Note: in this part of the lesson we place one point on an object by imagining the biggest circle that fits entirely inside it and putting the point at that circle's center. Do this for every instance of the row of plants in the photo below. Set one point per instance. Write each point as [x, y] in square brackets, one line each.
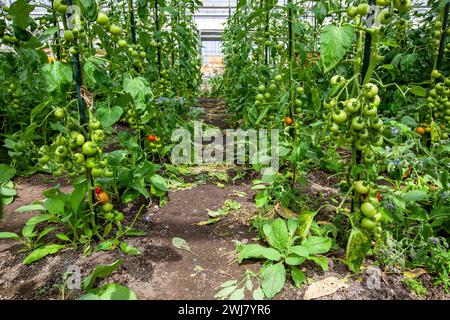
[359, 92]
[93, 92]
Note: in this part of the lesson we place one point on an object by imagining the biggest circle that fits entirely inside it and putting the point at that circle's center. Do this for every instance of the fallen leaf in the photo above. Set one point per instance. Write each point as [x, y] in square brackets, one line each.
[413, 274]
[324, 288]
[284, 212]
[182, 244]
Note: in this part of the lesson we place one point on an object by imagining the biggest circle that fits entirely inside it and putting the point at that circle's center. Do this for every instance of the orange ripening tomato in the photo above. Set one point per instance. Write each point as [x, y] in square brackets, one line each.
[103, 197]
[288, 121]
[151, 137]
[420, 130]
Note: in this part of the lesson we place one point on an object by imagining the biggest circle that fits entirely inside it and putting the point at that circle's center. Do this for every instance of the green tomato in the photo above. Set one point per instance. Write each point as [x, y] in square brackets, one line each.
[261, 88]
[267, 95]
[352, 11]
[368, 224]
[259, 97]
[95, 124]
[61, 151]
[91, 162]
[115, 30]
[363, 9]
[69, 36]
[89, 148]
[80, 140]
[361, 187]
[368, 210]
[97, 172]
[358, 123]
[109, 216]
[435, 74]
[119, 217]
[370, 111]
[122, 43]
[78, 158]
[43, 160]
[60, 114]
[107, 207]
[102, 19]
[278, 77]
[339, 117]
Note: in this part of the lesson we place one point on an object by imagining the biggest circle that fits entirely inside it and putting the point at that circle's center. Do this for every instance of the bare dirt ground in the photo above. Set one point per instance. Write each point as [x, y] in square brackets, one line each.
[165, 272]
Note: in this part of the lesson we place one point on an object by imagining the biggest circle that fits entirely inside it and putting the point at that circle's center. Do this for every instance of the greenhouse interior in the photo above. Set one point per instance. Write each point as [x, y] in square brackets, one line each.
[224, 150]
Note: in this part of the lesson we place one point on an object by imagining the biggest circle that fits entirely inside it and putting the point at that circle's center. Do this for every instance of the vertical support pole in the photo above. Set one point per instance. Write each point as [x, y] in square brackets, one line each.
[132, 21]
[78, 83]
[157, 31]
[443, 37]
[291, 58]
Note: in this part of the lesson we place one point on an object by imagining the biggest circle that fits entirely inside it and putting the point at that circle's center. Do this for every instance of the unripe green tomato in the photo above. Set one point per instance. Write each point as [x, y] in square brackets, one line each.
[69, 36]
[368, 210]
[60, 114]
[368, 224]
[107, 207]
[352, 11]
[91, 162]
[80, 140]
[278, 77]
[97, 172]
[94, 124]
[119, 217]
[115, 30]
[363, 9]
[261, 88]
[102, 19]
[267, 95]
[43, 160]
[78, 158]
[89, 148]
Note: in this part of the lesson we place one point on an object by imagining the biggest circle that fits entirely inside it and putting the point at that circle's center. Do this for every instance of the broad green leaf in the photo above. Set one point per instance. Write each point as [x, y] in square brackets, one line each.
[139, 90]
[159, 182]
[301, 251]
[32, 207]
[258, 294]
[109, 116]
[41, 252]
[415, 195]
[305, 220]
[57, 75]
[294, 260]
[298, 277]
[273, 279]
[225, 292]
[316, 245]
[38, 219]
[335, 41]
[20, 13]
[321, 261]
[114, 291]
[357, 247]
[63, 237]
[77, 196]
[100, 272]
[54, 206]
[238, 294]
[256, 251]
[9, 235]
[418, 91]
[127, 248]
[277, 234]
[7, 192]
[6, 172]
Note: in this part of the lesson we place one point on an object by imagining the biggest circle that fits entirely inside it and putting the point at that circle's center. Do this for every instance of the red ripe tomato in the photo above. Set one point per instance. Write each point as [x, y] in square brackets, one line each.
[379, 196]
[151, 137]
[98, 190]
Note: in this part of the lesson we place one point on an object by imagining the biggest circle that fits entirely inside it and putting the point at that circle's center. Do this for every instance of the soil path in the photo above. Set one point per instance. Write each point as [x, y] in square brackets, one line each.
[163, 271]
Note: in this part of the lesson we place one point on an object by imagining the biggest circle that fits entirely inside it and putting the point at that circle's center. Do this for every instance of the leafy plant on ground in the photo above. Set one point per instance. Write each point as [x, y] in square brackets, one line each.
[289, 247]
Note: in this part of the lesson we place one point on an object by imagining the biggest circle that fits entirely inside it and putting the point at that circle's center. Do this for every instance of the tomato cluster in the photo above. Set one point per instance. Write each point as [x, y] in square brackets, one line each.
[371, 216]
[107, 208]
[76, 152]
[155, 143]
[438, 98]
[356, 120]
[12, 94]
